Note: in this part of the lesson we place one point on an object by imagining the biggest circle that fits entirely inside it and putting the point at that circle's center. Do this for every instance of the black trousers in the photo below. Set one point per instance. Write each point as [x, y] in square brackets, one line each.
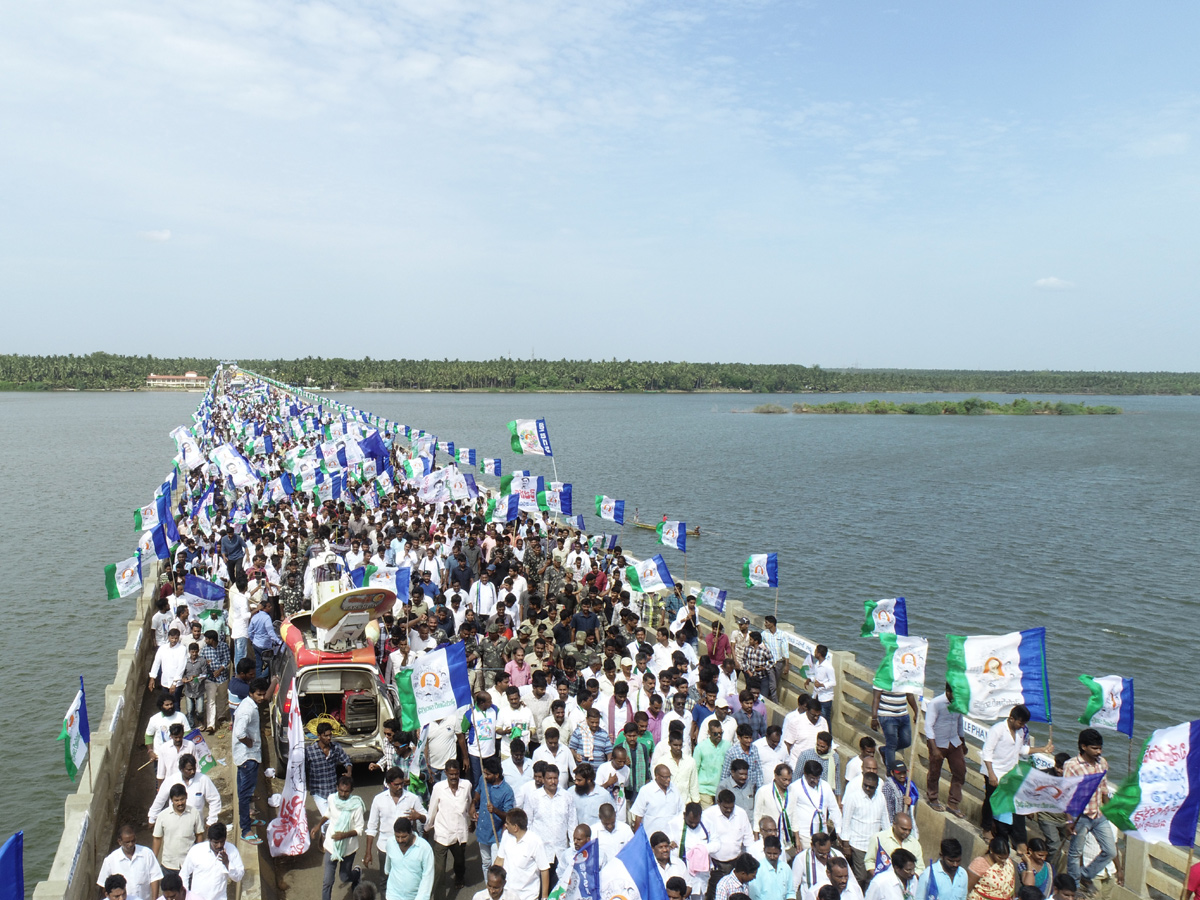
[440, 852]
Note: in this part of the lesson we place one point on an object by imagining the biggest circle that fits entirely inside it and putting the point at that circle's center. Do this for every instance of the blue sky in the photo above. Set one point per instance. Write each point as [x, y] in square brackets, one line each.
[930, 185]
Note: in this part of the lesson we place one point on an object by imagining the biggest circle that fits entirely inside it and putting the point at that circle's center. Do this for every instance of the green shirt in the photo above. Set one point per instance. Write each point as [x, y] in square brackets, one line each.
[709, 758]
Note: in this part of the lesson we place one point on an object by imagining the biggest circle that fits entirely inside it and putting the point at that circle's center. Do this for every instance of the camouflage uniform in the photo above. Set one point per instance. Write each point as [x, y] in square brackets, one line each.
[472, 649]
[491, 657]
[533, 565]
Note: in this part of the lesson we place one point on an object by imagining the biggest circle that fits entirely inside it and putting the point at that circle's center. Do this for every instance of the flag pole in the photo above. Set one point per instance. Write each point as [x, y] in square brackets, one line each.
[912, 755]
[777, 601]
[89, 765]
[1188, 868]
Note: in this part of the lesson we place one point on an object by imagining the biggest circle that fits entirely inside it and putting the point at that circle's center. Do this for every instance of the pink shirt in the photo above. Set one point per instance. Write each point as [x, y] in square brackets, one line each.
[521, 675]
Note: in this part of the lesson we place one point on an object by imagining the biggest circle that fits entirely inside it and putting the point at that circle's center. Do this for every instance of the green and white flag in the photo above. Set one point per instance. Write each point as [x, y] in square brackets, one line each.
[75, 733]
[1026, 790]
[124, 579]
[146, 518]
[902, 670]
[436, 686]
[884, 617]
[649, 575]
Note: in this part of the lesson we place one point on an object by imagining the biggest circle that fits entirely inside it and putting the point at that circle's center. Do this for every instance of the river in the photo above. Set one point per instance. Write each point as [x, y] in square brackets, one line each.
[985, 524]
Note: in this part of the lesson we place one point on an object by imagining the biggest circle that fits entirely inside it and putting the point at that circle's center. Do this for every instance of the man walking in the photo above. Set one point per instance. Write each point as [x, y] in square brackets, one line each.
[1090, 761]
[944, 735]
[346, 822]
[450, 820]
[247, 755]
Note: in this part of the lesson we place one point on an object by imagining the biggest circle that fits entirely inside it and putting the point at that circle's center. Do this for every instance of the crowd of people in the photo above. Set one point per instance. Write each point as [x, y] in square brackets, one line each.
[598, 712]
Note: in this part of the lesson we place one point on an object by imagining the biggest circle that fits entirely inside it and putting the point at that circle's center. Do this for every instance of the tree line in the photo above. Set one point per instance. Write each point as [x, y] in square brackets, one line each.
[106, 371]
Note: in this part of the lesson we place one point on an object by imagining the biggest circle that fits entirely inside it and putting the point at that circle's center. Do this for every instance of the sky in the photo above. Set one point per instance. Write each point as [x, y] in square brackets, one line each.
[928, 185]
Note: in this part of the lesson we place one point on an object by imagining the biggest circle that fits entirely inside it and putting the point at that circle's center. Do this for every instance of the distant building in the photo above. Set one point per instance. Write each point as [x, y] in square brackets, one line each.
[186, 380]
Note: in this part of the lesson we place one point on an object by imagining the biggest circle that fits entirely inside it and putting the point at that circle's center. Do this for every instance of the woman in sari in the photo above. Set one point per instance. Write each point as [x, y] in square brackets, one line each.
[993, 875]
[1033, 869]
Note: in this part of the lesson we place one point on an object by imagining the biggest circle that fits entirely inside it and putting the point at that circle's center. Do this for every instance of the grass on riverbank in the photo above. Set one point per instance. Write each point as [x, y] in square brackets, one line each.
[972, 406]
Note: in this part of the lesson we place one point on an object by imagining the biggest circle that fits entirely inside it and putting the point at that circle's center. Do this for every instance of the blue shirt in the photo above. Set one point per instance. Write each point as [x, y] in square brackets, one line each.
[261, 631]
[772, 882]
[942, 888]
[410, 875]
[502, 798]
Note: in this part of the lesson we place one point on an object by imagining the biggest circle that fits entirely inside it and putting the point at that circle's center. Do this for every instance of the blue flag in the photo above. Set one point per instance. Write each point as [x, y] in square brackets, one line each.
[161, 548]
[587, 870]
[639, 861]
[575, 522]
[403, 584]
[200, 594]
[883, 862]
[12, 868]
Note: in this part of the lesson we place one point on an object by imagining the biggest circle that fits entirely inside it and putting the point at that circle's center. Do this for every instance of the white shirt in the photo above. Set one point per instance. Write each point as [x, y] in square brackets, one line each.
[1002, 750]
[606, 771]
[169, 663]
[159, 727]
[168, 758]
[509, 717]
[450, 812]
[810, 809]
[611, 842]
[799, 734]
[863, 817]
[523, 794]
[658, 809]
[239, 614]
[886, 886]
[482, 599]
[942, 726]
[207, 877]
[552, 818]
[442, 741]
[663, 746]
[731, 835]
[200, 790]
[485, 733]
[385, 811]
[562, 759]
[768, 757]
[139, 871]
[524, 859]
[807, 871]
[517, 779]
[851, 892]
[336, 808]
[823, 672]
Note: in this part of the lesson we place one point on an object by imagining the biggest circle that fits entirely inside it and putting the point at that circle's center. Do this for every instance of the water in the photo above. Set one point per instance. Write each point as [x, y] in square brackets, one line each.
[985, 524]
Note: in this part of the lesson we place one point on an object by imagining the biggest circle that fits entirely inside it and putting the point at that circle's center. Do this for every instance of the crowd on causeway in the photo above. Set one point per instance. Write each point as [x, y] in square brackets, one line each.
[599, 716]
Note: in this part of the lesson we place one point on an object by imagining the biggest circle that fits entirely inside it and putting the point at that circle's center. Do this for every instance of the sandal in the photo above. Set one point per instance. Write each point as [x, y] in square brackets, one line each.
[251, 838]
[958, 812]
[936, 807]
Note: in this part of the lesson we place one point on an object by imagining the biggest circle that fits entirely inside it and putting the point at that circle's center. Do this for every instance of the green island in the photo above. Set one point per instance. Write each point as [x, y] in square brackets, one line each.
[972, 406]
[107, 371]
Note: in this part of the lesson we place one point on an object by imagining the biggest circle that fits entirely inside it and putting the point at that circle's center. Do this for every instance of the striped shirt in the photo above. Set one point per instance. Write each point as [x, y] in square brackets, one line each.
[777, 644]
[893, 705]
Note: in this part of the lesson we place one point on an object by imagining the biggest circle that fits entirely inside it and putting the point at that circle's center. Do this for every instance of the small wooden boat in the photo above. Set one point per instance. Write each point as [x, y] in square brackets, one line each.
[692, 532]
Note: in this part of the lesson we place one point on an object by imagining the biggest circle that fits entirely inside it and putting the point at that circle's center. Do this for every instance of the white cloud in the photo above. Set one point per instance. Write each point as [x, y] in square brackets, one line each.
[158, 236]
[1160, 145]
[1053, 283]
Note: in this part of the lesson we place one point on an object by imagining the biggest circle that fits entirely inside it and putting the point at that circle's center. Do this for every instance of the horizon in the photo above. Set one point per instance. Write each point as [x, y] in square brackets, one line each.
[929, 187]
